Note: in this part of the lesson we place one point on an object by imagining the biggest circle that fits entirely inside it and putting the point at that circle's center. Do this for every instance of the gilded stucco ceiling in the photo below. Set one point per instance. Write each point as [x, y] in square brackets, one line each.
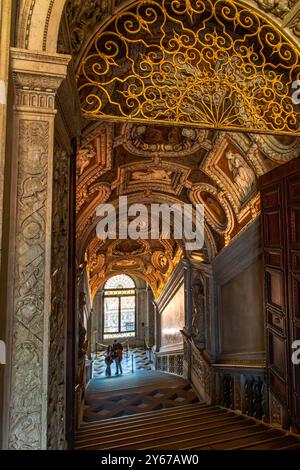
[154, 163]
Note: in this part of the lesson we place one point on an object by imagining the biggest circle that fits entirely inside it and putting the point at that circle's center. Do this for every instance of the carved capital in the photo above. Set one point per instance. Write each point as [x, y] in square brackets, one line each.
[37, 77]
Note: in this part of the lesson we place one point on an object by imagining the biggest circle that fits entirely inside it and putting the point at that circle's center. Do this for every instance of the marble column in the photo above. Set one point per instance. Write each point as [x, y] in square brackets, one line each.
[36, 77]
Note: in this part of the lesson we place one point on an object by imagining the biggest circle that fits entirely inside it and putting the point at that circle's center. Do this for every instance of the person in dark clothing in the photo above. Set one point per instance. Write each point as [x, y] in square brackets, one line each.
[119, 360]
[117, 349]
[108, 360]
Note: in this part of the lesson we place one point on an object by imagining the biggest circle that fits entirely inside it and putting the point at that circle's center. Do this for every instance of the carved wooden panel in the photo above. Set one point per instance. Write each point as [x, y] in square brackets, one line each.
[293, 262]
[280, 196]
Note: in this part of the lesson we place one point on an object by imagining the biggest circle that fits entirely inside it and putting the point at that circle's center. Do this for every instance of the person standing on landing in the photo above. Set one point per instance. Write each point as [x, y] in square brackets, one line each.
[119, 359]
[117, 355]
[108, 360]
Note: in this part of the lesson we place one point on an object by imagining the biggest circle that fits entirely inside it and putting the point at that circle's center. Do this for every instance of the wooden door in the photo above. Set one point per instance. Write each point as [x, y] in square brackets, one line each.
[293, 261]
[280, 200]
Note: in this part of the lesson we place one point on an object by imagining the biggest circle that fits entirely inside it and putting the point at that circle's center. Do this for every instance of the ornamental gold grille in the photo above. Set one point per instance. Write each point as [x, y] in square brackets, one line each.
[205, 63]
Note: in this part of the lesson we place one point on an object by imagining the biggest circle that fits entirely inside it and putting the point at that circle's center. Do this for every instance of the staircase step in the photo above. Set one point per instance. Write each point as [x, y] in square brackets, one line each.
[209, 418]
[275, 443]
[159, 431]
[142, 423]
[261, 433]
[290, 447]
[175, 411]
[204, 438]
[188, 426]
[163, 441]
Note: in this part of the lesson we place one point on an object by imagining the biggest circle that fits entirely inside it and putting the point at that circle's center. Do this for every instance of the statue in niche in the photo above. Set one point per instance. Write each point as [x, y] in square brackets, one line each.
[198, 305]
[244, 176]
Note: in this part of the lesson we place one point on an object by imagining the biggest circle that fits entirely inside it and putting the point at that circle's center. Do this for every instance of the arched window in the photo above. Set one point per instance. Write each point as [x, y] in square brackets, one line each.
[119, 307]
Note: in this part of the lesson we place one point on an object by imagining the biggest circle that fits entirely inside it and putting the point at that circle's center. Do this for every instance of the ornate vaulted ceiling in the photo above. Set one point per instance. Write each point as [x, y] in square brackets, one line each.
[155, 164]
[168, 164]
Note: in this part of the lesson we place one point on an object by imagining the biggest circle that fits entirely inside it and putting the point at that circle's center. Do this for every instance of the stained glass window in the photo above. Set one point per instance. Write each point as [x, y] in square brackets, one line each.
[128, 313]
[122, 281]
[119, 307]
[111, 314]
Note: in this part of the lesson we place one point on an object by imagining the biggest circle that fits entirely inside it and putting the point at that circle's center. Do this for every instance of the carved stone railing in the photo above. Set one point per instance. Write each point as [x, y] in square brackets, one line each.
[171, 362]
[236, 385]
[243, 388]
[202, 374]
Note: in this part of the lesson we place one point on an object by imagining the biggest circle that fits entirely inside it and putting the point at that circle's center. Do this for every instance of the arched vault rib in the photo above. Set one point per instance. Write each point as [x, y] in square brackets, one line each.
[38, 21]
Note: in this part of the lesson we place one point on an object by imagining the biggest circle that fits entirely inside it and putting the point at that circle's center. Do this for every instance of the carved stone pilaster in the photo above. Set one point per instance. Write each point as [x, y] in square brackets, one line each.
[188, 296]
[157, 327]
[36, 79]
[59, 294]
[198, 303]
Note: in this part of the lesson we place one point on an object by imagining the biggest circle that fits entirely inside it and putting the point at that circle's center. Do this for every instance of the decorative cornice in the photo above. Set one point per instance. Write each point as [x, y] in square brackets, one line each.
[37, 77]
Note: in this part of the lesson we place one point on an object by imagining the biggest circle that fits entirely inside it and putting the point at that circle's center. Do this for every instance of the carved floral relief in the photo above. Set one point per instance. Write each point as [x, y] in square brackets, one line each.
[28, 325]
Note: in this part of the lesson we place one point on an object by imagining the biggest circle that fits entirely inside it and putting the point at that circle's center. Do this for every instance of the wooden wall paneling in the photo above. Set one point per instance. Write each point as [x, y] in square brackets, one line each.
[293, 225]
[280, 198]
[275, 294]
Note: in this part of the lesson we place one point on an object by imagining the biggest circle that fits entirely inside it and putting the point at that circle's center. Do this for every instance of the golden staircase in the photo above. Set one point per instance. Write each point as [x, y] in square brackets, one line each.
[189, 427]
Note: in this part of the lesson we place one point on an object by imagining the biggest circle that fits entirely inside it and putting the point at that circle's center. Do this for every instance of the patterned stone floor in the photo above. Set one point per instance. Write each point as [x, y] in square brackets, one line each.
[130, 394]
[136, 360]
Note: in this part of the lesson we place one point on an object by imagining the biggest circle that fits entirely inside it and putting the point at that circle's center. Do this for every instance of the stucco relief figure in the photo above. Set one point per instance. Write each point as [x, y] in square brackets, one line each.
[190, 135]
[154, 140]
[244, 176]
[277, 7]
[27, 434]
[84, 156]
[28, 391]
[152, 175]
[198, 322]
[82, 16]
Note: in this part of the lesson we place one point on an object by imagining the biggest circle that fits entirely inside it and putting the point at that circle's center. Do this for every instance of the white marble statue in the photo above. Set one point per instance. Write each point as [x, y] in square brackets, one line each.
[244, 176]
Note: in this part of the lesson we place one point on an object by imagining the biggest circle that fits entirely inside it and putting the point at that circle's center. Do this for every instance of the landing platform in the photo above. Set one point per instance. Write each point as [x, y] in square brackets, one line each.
[140, 392]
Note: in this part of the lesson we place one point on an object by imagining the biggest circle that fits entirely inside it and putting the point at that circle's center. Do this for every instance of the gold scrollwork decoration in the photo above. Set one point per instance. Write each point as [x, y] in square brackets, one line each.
[205, 63]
